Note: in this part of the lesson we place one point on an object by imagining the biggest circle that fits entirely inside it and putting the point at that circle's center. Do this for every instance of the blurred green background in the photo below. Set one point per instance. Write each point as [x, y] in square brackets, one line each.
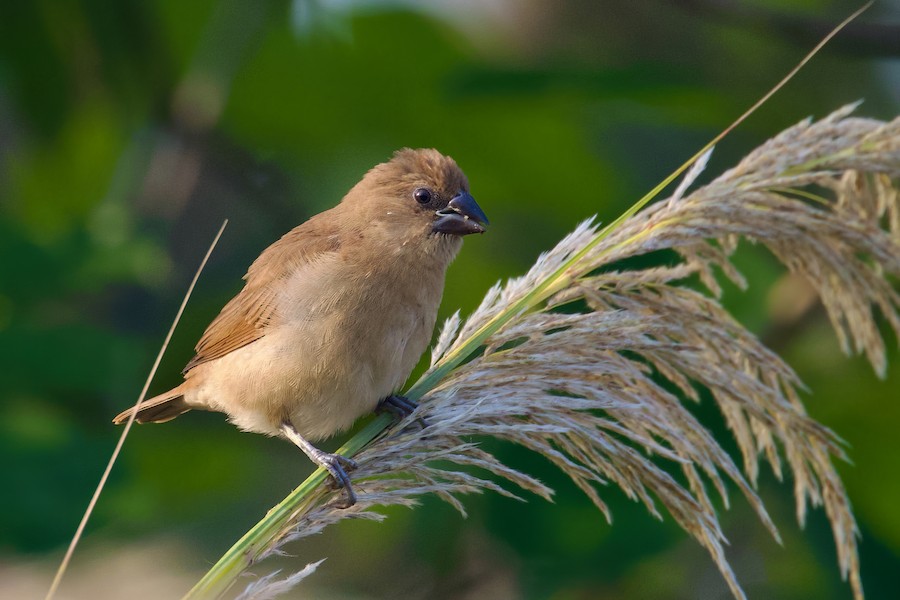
[129, 130]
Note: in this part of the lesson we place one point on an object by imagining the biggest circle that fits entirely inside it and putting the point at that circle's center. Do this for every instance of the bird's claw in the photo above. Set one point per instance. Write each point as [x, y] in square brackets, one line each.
[337, 466]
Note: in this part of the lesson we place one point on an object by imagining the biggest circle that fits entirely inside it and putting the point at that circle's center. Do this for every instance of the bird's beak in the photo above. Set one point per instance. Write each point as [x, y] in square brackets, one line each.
[461, 217]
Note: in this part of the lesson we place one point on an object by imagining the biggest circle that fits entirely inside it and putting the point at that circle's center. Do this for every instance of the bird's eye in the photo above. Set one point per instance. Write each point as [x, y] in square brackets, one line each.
[422, 195]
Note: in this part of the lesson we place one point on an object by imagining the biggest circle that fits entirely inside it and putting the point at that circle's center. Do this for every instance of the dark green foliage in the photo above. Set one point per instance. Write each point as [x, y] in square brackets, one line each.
[128, 130]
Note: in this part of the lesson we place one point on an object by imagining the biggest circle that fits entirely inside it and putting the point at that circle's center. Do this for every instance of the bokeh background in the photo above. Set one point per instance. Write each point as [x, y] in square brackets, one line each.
[130, 129]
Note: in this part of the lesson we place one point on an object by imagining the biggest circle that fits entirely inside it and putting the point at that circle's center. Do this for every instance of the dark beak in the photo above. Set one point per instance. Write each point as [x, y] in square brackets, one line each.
[461, 217]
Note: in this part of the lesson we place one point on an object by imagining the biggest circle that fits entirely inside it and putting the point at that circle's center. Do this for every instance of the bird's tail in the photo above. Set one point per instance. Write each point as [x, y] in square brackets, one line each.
[158, 409]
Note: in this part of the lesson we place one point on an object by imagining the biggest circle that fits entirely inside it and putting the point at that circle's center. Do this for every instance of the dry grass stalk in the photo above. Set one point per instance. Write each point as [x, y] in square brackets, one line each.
[583, 389]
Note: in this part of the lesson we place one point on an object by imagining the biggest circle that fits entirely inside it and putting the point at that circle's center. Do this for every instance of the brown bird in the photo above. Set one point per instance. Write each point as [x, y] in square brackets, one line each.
[333, 316]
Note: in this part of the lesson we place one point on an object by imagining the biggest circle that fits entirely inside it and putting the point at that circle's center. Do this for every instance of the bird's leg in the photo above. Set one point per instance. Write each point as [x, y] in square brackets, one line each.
[335, 464]
[399, 406]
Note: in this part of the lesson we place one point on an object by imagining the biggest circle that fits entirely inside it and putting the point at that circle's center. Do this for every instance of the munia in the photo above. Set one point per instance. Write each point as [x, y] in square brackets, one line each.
[333, 316]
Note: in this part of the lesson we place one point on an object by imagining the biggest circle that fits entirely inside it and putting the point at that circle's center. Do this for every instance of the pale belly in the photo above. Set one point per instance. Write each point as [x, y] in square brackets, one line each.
[320, 374]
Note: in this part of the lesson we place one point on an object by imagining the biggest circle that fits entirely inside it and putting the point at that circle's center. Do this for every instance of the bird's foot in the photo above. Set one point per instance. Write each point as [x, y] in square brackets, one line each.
[336, 464]
[401, 407]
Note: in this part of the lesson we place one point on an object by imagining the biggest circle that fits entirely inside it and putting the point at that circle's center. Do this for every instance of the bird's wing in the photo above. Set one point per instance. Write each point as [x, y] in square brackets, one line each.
[245, 318]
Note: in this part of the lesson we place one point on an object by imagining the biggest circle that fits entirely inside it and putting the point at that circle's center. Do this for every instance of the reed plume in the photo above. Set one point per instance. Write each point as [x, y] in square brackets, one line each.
[577, 359]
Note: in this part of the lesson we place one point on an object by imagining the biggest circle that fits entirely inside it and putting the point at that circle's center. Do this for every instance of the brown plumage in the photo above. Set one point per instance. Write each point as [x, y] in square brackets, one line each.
[333, 316]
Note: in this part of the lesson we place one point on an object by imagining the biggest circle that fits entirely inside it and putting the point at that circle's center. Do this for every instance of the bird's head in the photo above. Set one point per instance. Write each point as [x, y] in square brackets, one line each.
[419, 193]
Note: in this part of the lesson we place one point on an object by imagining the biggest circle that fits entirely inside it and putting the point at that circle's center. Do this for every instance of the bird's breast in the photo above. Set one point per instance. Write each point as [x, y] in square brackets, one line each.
[357, 334]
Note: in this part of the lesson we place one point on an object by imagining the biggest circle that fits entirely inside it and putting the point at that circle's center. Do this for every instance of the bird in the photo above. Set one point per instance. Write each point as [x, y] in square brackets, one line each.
[334, 315]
